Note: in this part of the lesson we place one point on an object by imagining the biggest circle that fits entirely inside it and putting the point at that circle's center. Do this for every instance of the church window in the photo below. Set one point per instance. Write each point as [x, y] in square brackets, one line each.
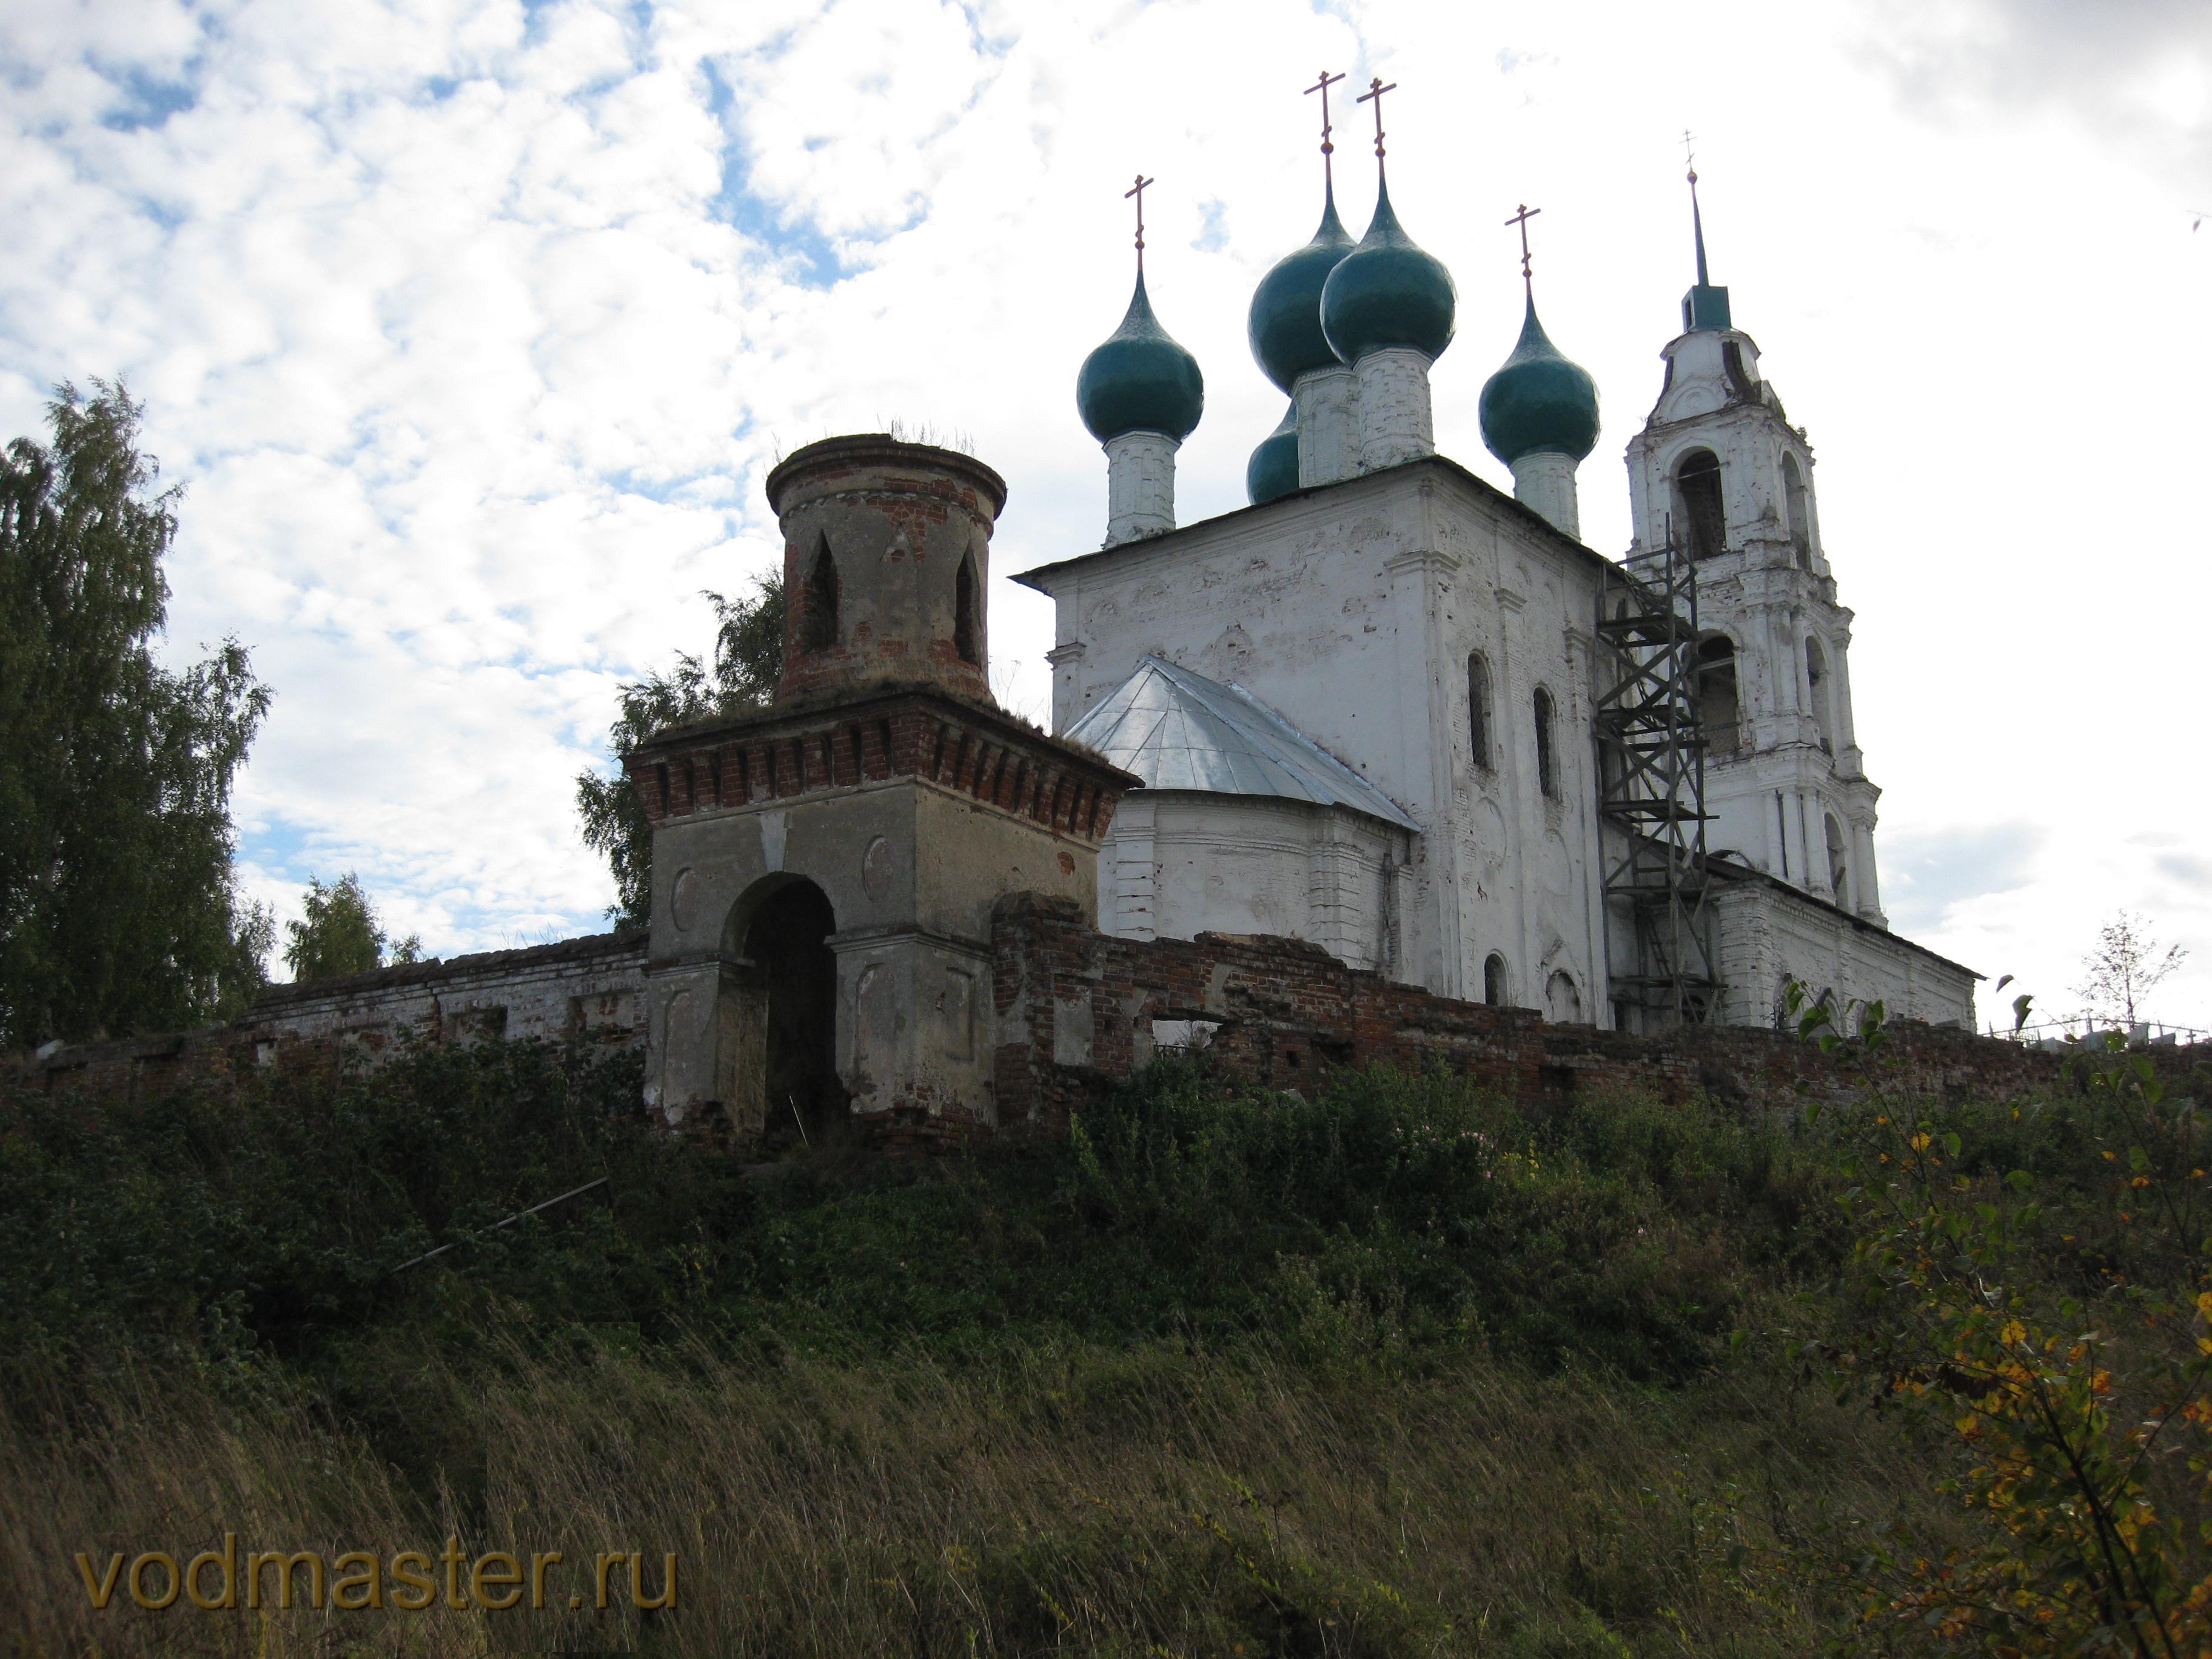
[1494, 991]
[1478, 709]
[1801, 518]
[1838, 869]
[1547, 771]
[1717, 695]
[818, 622]
[1697, 486]
[966, 635]
[1816, 683]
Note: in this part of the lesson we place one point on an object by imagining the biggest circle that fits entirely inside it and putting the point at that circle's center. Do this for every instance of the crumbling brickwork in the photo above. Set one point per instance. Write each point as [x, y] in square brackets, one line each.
[1077, 1011]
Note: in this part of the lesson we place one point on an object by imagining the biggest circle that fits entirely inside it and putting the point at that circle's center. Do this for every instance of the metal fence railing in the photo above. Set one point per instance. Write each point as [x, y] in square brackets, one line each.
[2060, 1035]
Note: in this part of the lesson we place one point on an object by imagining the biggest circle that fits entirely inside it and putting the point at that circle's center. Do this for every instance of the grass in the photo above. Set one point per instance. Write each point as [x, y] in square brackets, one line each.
[1404, 1370]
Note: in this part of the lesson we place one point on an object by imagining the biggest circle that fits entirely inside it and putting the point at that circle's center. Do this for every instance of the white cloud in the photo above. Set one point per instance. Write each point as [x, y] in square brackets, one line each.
[473, 327]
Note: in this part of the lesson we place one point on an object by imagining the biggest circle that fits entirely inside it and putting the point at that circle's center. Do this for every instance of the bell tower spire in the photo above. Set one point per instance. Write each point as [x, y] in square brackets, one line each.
[1704, 306]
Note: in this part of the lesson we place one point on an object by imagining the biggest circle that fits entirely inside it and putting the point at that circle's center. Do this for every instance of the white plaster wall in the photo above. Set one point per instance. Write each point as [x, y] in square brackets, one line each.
[1768, 933]
[1180, 864]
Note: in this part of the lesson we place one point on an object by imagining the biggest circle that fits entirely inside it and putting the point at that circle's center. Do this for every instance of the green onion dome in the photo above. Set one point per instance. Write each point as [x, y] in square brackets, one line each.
[1273, 469]
[1537, 402]
[1388, 292]
[1285, 324]
[1138, 380]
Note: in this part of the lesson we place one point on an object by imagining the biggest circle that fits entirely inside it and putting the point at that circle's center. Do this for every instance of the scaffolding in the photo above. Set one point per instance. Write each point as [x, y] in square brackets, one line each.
[1651, 765]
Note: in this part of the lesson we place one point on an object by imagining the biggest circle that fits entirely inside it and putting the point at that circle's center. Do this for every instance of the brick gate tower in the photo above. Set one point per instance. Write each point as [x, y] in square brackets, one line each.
[824, 870]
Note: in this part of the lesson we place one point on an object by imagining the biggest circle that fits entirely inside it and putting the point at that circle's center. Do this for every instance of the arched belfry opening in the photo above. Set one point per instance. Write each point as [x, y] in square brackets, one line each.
[1697, 490]
[1800, 517]
[785, 1015]
[1839, 869]
[817, 618]
[1718, 710]
[1816, 686]
[967, 624]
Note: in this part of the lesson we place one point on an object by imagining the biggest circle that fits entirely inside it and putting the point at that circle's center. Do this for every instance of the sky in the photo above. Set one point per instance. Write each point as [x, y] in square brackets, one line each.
[471, 329]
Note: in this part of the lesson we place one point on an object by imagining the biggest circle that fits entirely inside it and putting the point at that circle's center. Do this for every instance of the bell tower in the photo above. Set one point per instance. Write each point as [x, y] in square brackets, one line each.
[1718, 469]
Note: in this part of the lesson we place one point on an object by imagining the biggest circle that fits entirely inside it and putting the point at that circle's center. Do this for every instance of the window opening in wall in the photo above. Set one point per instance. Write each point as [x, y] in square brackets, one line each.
[1839, 868]
[818, 615]
[1697, 483]
[1717, 712]
[966, 637]
[1478, 709]
[1816, 681]
[1801, 518]
[1547, 774]
[1493, 980]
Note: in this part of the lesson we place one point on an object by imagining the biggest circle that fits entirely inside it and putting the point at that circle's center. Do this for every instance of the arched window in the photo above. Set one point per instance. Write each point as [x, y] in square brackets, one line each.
[966, 635]
[1478, 710]
[1800, 517]
[817, 618]
[1547, 771]
[1494, 991]
[1698, 489]
[1839, 870]
[1816, 683]
[1717, 695]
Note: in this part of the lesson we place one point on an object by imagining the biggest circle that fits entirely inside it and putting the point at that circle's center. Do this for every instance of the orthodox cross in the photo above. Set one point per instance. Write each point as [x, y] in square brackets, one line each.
[1374, 95]
[1689, 156]
[1328, 149]
[1139, 193]
[1522, 219]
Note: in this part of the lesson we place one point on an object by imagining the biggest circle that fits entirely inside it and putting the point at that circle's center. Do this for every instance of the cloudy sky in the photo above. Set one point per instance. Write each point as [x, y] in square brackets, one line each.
[471, 329]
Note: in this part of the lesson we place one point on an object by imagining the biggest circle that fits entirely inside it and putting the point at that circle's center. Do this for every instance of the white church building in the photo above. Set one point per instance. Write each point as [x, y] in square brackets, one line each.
[1390, 710]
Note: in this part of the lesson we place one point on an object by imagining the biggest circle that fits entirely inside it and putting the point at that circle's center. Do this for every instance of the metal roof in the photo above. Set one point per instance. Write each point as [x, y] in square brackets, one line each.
[1178, 729]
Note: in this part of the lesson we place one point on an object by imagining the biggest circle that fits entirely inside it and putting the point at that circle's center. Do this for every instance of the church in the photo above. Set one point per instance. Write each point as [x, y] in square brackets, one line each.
[1390, 710]
[1387, 768]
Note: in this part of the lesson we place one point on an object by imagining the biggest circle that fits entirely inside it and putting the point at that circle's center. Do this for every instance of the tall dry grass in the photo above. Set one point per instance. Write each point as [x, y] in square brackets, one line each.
[1144, 1501]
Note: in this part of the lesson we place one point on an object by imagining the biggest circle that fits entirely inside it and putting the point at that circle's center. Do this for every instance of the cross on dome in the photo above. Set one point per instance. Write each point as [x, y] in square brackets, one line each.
[1137, 190]
[1522, 219]
[1327, 149]
[1374, 95]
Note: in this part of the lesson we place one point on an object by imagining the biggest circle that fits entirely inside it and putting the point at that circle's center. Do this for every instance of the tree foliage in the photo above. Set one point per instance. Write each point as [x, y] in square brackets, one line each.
[748, 659]
[341, 934]
[2126, 965]
[118, 910]
[2054, 1333]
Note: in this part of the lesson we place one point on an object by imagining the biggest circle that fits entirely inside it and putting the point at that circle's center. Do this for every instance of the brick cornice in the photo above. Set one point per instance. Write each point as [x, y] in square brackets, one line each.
[798, 753]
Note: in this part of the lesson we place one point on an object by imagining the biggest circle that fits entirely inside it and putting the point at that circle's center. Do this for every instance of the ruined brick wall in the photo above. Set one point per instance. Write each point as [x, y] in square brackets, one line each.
[588, 989]
[1077, 1011]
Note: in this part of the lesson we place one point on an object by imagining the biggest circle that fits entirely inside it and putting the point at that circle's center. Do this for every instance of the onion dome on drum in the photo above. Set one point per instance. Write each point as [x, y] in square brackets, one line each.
[1285, 323]
[1539, 403]
[1138, 380]
[1273, 469]
[1387, 292]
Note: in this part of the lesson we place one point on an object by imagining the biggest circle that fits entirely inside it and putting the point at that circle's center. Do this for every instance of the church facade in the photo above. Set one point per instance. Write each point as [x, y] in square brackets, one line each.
[1390, 710]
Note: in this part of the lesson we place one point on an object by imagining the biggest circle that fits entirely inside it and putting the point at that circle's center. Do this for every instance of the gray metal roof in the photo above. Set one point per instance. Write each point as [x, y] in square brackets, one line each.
[1178, 730]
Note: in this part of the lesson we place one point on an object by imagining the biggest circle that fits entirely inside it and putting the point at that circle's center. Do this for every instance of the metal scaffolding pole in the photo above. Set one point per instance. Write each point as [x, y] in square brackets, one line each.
[1651, 766]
